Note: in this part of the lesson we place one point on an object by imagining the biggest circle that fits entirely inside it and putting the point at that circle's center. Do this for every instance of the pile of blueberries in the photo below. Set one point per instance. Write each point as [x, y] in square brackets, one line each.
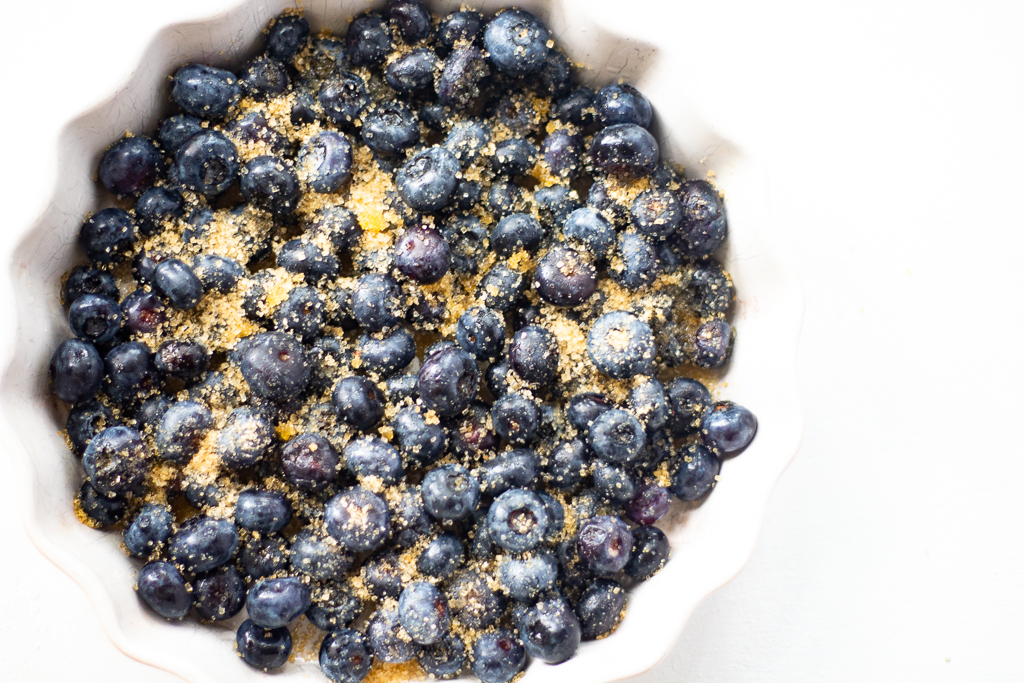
[422, 515]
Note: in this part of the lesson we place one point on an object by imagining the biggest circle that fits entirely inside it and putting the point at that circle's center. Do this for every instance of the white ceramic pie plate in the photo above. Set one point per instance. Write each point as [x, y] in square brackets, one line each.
[710, 543]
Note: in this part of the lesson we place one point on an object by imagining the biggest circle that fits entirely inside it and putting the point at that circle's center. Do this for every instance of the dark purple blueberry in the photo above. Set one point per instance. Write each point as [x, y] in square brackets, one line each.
[304, 109]
[467, 140]
[604, 544]
[427, 180]
[423, 612]
[533, 355]
[616, 436]
[650, 553]
[498, 656]
[496, 377]
[473, 602]
[343, 97]
[107, 236]
[358, 519]
[175, 130]
[555, 77]
[599, 197]
[162, 587]
[85, 421]
[371, 456]
[94, 318]
[275, 366]
[711, 288]
[253, 129]
[89, 280]
[600, 607]
[286, 36]
[625, 149]
[273, 603]
[419, 441]
[621, 103]
[333, 607]
[219, 594]
[261, 648]
[306, 258]
[207, 163]
[186, 360]
[621, 345]
[387, 354]
[130, 371]
[516, 418]
[656, 213]
[99, 510]
[505, 198]
[270, 183]
[263, 555]
[143, 312]
[390, 127]
[589, 227]
[563, 153]
[310, 462]
[514, 232]
[345, 656]
[130, 166]
[448, 381]
[457, 27]
[703, 227]
[459, 83]
[481, 331]
[319, 556]
[513, 157]
[637, 264]
[689, 400]
[696, 471]
[566, 465]
[262, 79]
[368, 40]
[181, 431]
[262, 510]
[585, 408]
[516, 42]
[472, 434]
[450, 492]
[576, 107]
[422, 254]
[441, 557]
[76, 371]
[712, 344]
[550, 630]
[412, 71]
[382, 575]
[728, 428]
[435, 116]
[650, 503]
[411, 19]
[564, 278]
[178, 283]
[150, 528]
[326, 161]
[156, 206]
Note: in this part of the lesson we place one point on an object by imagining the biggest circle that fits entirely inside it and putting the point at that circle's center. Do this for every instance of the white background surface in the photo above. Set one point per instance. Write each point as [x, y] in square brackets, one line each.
[893, 133]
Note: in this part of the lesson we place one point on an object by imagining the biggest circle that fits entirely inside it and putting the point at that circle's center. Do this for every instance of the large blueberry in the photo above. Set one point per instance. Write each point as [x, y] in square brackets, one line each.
[518, 520]
[207, 163]
[150, 528]
[550, 630]
[703, 227]
[262, 510]
[262, 648]
[422, 254]
[245, 438]
[516, 42]
[358, 519]
[604, 544]
[450, 492]
[621, 345]
[219, 594]
[372, 456]
[345, 656]
[107, 236]
[277, 602]
[202, 543]
[564, 278]
[728, 428]
[116, 461]
[390, 127]
[204, 91]
[130, 165]
[325, 161]
[448, 381]
[368, 40]
[625, 149]
[270, 183]
[343, 97]
[621, 103]
[423, 612]
[420, 441]
[319, 556]
[275, 366]
[182, 430]
[310, 462]
[163, 588]
[533, 355]
[427, 181]
[498, 656]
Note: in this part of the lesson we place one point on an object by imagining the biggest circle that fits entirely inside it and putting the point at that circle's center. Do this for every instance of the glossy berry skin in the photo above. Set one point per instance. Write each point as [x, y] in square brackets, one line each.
[728, 428]
[624, 149]
[277, 602]
[589, 227]
[358, 519]
[703, 227]
[712, 344]
[412, 72]
[621, 103]
[459, 26]
[450, 492]
[525, 578]
[219, 594]
[143, 312]
[711, 288]
[575, 107]
[649, 402]
[94, 318]
[178, 283]
[130, 166]
[326, 161]
[162, 587]
[275, 366]
[206, 163]
[387, 355]
[306, 258]
[337, 224]
[422, 254]
[420, 442]
[473, 602]
[390, 127]
[261, 648]
[371, 456]
[359, 402]
[448, 381]
[585, 408]
[689, 401]
[517, 42]
[500, 287]
[411, 19]
[650, 553]
[613, 483]
[616, 436]
[604, 544]
[423, 612]
[345, 656]
[217, 273]
[270, 183]
[204, 91]
[513, 157]
[458, 86]
[382, 576]
[695, 473]
[99, 510]
[472, 435]
[550, 630]
[156, 206]
[467, 140]
[263, 557]
[287, 35]
[368, 40]
[388, 639]
[262, 78]
[509, 469]
[377, 302]
[481, 332]
[498, 656]
[107, 236]
[150, 528]
[175, 130]
[427, 181]
[566, 465]
[310, 462]
[442, 556]
[656, 213]
[89, 280]
[316, 555]
[555, 203]
[445, 658]
[86, 420]
[514, 232]
[116, 461]
[533, 355]
[650, 504]
[245, 439]
[343, 97]
[181, 431]
[621, 345]
[262, 510]
[564, 278]
[202, 544]
[637, 265]
[600, 607]
[515, 418]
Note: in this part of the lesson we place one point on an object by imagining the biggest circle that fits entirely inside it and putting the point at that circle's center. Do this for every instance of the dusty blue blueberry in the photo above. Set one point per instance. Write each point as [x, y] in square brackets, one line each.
[621, 345]
[516, 42]
[261, 648]
[107, 236]
[386, 353]
[262, 510]
[448, 381]
[419, 441]
[345, 656]
[622, 103]
[245, 438]
[445, 658]
[182, 430]
[326, 161]
[150, 528]
[343, 97]
[650, 552]
[566, 465]
[518, 520]
[277, 602]
[728, 428]
[315, 554]
[498, 656]
[600, 607]
[450, 492]
[204, 91]
[390, 127]
[550, 630]
[624, 149]
[116, 462]
[423, 612]
[388, 640]
[441, 557]
[202, 543]
[358, 519]
[703, 227]
[427, 181]
[525, 578]
[163, 588]
[359, 402]
[206, 163]
[372, 456]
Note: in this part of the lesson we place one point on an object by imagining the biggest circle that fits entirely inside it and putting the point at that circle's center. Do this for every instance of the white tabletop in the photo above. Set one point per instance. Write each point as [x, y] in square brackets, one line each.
[895, 141]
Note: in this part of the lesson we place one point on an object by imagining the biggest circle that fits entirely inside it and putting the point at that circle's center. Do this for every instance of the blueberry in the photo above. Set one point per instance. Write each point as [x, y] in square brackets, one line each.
[94, 318]
[107, 236]
[275, 366]
[472, 434]
[621, 345]
[518, 520]
[178, 283]
[334, 606]
[157, 207]
[613, 483]
[515, 418]
[357, 519]
[377, 302]
[151, 412]
[514, 232]
[187, 360]
[89, 280]
[163, 588]
[517, 42]
[389, 641]
[262, 79]
[345, 656]
[604, 544]
[277, 602]
[467, 140]
[390, 127]
[590, 228]
[600, 607]
[566, 466]
[401, 387]
[556, 204]
[459, 27]
[305, 258]
[527, 315]
[656, 213]
[712, 344]
[175, 130]
[445, 658]
[182, 430]
[651, 405]
[711, 288]
[303, 313]
[116, 461]
[130, 165]
[419, 441]
[86, 420]
[637, 265]
[513, 157]
[621, 103]
[564, 278]
[412, 71]
[382, 575]
[563, 154]
[466, 237]
[270, 183]
[497, 655]
[368, 40]
[286, 36]
[207, 163]
[550, 630]
[371, 456]
[466, 196]
[459, 83]
[481, 332]
[650, 553]
[202, 495]
[218, 273]
[689, 400]
[584, 408]
[325, 161]
[505, 198]
[423, 612]
[472, 601]
[204, 91]
[263, 555]
[387, 354]
[650, 504]
[450, 492]
[555, 76]
[343, 97]
[337, 224]
[253, 130]
[143, 312]
[625, 149]
[310, 462]
[525, 578]
[533, 355]
[704, 226]
[616, 436]
[576, 107]
[410, 519]
[411, 18]
[728, 428]
[435, 116]
[599, 197]
[150, 528]
[448, 381]
[319, 556]
[695, 473]
[262, 510]
[422, 254]
[262, 648]
[220, 594]
[441, 557]
[245, 439]
[304, 109]
[202, 544]
[500, 287]
[99, 511]
[427, 180]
